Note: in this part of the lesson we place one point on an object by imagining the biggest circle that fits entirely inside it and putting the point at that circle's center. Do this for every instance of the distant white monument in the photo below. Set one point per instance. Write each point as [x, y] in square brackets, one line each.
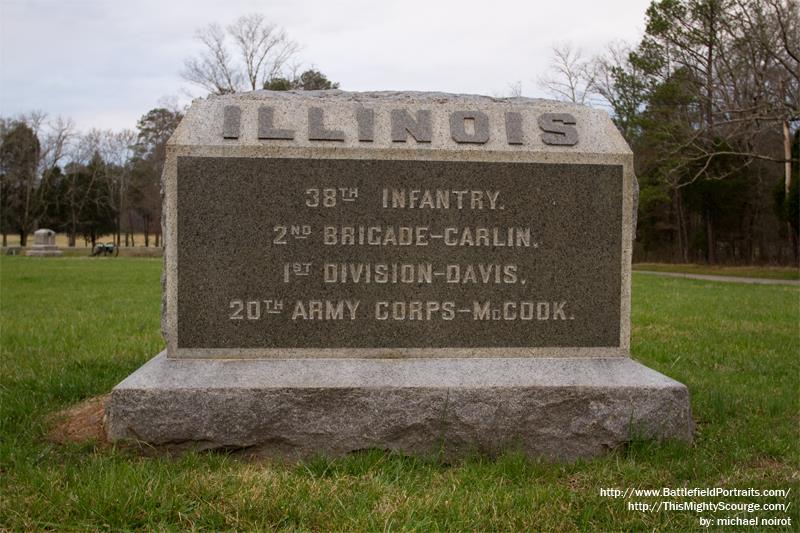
[44, 244]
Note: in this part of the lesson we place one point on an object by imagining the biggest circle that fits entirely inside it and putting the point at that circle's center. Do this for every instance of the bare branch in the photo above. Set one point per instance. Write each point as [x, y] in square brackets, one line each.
[55, 143]
[260, 52]
[570, 77]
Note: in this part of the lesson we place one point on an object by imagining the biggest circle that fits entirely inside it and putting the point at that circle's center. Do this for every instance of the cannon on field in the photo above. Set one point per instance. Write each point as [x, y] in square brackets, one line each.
[105, 249]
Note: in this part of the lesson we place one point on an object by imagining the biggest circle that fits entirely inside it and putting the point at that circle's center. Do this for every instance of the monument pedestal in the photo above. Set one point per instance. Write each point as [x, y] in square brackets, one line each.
[44, 251]
[44, 244]
[424, 272]
[562, 409]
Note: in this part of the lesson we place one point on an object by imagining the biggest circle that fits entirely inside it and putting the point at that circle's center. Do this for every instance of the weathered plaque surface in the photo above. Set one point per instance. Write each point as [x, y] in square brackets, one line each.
[378, 227]
[406, 254]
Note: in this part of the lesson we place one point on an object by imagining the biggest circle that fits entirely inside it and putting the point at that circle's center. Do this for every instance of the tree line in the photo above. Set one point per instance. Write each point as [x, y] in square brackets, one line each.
[88, 185]
[83, 184]
[709, 101]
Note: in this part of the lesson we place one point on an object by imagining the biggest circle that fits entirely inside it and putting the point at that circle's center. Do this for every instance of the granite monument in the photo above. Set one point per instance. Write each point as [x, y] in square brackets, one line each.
[409, 271]
[44, 244]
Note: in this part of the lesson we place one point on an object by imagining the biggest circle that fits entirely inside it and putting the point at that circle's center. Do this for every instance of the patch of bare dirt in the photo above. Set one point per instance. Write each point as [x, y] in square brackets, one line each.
[83, 423]
[80, 423]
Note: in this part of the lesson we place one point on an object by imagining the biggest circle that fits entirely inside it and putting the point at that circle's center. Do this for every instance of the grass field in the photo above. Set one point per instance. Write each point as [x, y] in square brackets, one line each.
[736, 271]
[71, 328]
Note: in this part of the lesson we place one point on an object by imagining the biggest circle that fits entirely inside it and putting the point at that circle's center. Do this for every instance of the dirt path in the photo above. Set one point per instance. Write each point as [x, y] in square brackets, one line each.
[734, 279]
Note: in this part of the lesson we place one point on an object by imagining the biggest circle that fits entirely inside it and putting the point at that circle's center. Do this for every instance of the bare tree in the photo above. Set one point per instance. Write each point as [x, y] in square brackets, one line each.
[570, 77]
[769, 30]
[55, 140]
[740, 60]
[515, 89]
[117, 151]
[80, 179]
[54, 137]
[259, 52]
[621, 87]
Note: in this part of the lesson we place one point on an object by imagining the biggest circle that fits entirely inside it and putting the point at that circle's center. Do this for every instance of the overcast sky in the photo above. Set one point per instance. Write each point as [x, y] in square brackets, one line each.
[105, 63]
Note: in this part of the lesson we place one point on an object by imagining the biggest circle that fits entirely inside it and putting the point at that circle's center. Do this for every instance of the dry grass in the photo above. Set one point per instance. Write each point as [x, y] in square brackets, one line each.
[79, 424]
[62, 240]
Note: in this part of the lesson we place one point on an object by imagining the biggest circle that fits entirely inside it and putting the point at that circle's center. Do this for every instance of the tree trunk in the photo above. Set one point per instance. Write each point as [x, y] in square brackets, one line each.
[709, 67]
[5, 239]
[119, 213]
[677, 241]
[787, 155]
[73, 230]
[147, 232]
[752, 244]
[23, 238]
[787, 169]
[683, 235]
[711, 254]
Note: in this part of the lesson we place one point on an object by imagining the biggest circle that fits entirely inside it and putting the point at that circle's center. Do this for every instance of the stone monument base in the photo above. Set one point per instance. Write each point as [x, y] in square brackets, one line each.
[44, 251]
[562, 409]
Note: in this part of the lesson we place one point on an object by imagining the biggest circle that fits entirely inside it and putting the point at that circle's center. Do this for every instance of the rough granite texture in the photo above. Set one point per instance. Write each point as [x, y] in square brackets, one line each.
[572, 211]
[561, 409]
[204, 132]
[559, 403]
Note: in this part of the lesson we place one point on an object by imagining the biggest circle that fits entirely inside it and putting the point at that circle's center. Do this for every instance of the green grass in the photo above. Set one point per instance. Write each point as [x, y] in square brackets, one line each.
[72, 328]
[735, 271]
